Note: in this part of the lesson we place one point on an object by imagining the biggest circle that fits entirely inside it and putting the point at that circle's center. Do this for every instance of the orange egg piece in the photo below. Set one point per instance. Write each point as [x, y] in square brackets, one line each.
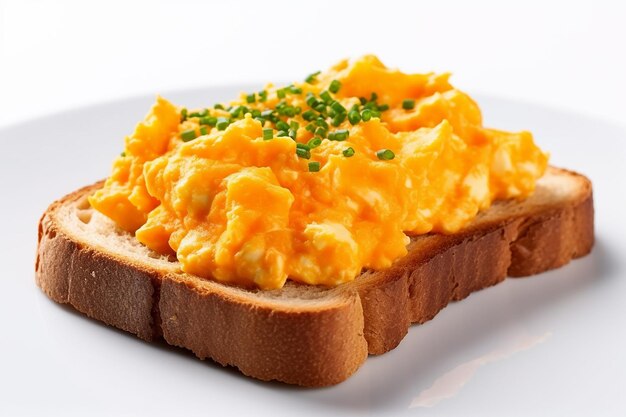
[316, 181]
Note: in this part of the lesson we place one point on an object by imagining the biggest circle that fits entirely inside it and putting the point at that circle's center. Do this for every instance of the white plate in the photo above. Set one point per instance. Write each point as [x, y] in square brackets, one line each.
[548, 345]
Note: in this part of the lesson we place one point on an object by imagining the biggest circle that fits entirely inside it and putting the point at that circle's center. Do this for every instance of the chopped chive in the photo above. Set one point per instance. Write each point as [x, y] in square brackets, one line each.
[262, 96]
[408, 104]
[123, 154]
[298, 109]
[354, 117]
[363, 101]
[314, 143]
[348, 152]
[311, 78]
[255, 113]
[314, 166]
[210, 120]
[251, 98]
[236, 111]
[218, 107]
[268, 133]
[203, 130]
[320, 107]
[366, 115]
[321, 132]
[289, 111]
[309, 115]
[200, 113]
[325, 95]
[311, 101]
[267, 113]
[375, 113]
[260, 120]
[295, 90]
[374, 96]
[383, 107]
[339, 135]
[338, 119]
[371, 105]
[310, 127]
[183, 114]
[321, 122]
[302, 146]
[294, 125]
[303, 153]
[187, 135]
[342, 134]
[336, 106]
[280, 93]
[282, 125]
[282, 133]
[334, 86]
[293, 134]
[222, 123]
[385, 154]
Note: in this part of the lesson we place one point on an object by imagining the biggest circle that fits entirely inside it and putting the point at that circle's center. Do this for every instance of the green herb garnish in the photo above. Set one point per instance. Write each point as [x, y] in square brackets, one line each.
[385, 155]
[187, 135]
[339, 135]
[334, 86]
[309, 115]
[311, 78]
[302, 152]
[408, 104]
[314, 143]
[209, 120]
[222, 123]
[354, 117]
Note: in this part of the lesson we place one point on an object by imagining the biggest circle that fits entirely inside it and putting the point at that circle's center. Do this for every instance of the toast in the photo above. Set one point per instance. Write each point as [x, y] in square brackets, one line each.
[301, 334]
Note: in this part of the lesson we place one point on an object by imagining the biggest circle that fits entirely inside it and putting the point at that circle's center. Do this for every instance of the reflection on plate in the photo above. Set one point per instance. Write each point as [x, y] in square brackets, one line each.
[450, 383]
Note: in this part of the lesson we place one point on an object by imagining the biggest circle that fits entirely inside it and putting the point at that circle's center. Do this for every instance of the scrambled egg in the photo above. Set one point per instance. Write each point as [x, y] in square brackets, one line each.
[314, 181]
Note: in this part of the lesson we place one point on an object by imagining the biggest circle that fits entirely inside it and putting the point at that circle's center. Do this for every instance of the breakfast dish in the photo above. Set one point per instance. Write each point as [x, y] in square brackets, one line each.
[297, 229]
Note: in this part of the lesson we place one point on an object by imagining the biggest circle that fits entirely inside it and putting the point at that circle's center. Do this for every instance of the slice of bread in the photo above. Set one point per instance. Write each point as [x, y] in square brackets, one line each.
[301, 334]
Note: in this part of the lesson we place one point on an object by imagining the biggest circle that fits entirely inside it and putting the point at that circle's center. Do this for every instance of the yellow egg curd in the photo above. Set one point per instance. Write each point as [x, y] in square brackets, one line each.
[314, 181]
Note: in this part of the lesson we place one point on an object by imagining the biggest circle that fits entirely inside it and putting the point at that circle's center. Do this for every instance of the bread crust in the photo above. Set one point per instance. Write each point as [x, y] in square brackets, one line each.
[70, 272]
[321, 343]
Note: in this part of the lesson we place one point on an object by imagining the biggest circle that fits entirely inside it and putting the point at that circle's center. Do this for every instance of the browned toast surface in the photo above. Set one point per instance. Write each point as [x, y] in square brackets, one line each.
[301, 334]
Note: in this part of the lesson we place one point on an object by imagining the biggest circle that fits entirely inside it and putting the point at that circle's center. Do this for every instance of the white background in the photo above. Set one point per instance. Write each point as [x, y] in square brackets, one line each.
[56, 55]
[550, 346]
